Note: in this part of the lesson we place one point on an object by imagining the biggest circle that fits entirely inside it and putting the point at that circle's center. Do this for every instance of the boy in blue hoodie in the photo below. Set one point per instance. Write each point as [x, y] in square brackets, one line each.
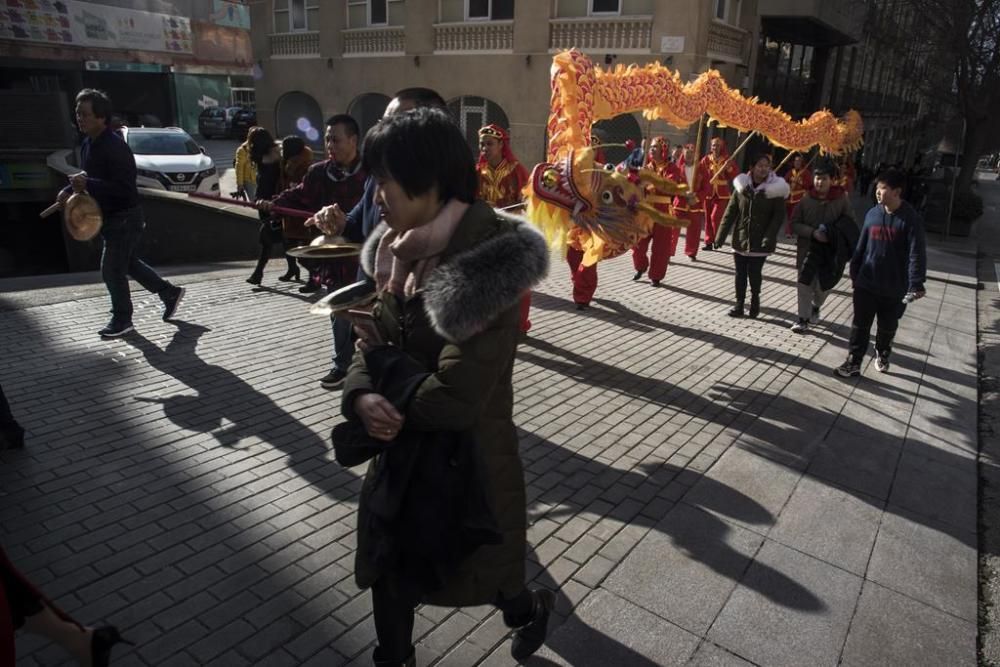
[888, 266]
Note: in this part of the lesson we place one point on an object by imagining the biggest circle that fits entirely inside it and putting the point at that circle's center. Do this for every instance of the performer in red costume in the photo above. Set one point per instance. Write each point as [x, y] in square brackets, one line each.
[501, 179]
[663, 239]
[691, 206]
[501, 176]
[719, 165]
[799, 181]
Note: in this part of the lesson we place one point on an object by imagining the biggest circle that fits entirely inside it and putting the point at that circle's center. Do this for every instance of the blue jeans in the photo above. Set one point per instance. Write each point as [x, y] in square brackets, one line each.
[343, 343]
[121, 233]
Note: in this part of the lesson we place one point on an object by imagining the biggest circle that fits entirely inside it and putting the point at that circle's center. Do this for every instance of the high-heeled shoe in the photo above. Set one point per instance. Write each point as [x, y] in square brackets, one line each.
[102, 641]
[255, 278]
[289, 277]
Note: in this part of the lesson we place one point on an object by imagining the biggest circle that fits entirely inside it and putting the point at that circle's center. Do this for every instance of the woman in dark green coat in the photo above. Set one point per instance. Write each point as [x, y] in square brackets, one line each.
[450, 272]
[755, 215]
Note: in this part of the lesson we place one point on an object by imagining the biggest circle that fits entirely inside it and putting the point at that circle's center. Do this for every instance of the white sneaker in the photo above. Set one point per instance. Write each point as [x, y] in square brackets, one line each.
[801, 326]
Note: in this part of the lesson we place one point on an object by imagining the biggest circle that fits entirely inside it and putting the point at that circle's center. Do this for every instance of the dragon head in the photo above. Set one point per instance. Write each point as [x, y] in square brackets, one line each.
[600, 209]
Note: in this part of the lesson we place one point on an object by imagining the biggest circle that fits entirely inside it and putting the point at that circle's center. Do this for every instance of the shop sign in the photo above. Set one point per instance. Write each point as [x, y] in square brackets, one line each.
[74, 23]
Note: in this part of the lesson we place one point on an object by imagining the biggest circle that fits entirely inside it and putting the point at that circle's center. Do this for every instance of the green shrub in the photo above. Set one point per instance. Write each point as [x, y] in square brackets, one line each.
[968, 206]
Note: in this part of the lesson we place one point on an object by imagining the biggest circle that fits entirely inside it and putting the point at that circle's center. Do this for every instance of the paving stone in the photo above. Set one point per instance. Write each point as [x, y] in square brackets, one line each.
[946, 493]
[789, 609]
[923, 559]
[744, 488]
[609, 630]
[893, 629]
[187, 486]
[711, 655]
[830, 524]
[685, 568]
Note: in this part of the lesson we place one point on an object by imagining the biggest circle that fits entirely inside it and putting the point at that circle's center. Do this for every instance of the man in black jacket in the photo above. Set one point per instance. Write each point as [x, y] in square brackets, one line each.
[109, 176]
[888, 270]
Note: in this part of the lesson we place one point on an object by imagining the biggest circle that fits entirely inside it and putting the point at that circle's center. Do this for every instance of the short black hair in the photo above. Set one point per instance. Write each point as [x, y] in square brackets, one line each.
[100, 103]
[261, 143]
[421, 97]
[350, 125]
[420, 149]
[291, 146]
[761, 156]
[825, 167]
[893, 178]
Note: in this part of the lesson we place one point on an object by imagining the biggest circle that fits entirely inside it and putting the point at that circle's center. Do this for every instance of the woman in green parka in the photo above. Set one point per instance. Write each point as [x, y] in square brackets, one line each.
[449, 273]
[755, 215]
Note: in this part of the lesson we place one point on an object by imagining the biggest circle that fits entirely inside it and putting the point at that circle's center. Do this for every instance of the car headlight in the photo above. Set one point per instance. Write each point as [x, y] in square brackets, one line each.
[209, 172]
[148, 174]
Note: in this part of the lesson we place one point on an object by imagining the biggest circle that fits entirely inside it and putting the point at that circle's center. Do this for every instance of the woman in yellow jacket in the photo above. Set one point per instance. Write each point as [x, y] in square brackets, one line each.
[246, 170]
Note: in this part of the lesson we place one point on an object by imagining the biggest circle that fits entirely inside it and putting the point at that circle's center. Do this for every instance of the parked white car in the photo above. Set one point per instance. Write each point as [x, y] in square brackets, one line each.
[167, 158]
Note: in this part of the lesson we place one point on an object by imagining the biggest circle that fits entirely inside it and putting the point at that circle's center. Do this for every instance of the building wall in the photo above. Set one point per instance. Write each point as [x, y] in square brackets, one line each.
[514, 76]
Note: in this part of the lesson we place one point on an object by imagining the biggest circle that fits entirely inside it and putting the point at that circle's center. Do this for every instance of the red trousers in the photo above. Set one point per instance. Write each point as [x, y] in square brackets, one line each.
[584, 278]
[692, 235]
[789, 209]
[714, 208]
[664, 245]
[525, 309]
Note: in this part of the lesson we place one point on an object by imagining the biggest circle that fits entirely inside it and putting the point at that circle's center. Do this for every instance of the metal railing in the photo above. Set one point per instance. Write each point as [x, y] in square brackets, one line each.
[294, 44]
[474, 36]
[619, 34]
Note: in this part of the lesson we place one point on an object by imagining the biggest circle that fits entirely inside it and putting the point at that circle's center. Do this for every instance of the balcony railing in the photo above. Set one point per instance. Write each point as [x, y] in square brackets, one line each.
[474, 37]
[727, 42]
[294, 44]
[621, 34]
[384, 41]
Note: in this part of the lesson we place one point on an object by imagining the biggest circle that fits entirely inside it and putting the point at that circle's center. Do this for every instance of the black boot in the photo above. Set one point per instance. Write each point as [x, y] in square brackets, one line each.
[754, 305]
[101, 643]
[409, 662]
[292, 274]
[529, 637]
[256, 277]
[737, 310]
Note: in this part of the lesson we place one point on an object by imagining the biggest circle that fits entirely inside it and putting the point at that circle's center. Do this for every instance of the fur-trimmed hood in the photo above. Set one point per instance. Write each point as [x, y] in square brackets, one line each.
[476, 282]
[774, 187]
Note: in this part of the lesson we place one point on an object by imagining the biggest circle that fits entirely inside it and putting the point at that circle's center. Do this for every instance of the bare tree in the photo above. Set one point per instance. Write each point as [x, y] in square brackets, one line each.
[964, 36]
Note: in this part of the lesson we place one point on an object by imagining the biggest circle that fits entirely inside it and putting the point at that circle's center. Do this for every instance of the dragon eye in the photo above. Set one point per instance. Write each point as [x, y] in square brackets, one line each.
[609, 167]
[607, 197]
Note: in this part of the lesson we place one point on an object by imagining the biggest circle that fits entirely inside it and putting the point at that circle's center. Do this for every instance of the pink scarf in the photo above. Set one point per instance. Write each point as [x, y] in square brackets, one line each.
[404, 261]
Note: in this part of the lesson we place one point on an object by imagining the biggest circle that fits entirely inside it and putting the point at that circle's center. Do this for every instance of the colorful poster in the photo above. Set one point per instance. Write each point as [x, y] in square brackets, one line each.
[230, 14]
[87, 24]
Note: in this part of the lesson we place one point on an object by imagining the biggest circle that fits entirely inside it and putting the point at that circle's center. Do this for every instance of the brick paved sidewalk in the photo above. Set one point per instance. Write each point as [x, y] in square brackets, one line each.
[701, 490]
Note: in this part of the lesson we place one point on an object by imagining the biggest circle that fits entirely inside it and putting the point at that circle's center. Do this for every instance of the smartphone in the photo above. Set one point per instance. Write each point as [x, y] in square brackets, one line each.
[364, 325]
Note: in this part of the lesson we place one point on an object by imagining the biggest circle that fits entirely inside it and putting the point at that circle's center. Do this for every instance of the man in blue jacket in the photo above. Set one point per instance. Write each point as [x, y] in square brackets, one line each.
[109, 177]
[888, 270]
[356, 226]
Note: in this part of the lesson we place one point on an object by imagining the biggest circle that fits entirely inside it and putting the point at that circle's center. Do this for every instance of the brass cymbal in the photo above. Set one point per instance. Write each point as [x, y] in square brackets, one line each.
[82, 216]
[350, 296]
[325, 251]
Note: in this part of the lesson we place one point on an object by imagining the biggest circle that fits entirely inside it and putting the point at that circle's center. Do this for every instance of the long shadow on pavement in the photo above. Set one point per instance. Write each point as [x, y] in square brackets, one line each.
[251, 412]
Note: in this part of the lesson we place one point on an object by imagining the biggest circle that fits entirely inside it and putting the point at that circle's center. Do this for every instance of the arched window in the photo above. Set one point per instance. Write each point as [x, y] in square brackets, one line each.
[473, 113]
[367, 109]
[298, 113]
[617, 130]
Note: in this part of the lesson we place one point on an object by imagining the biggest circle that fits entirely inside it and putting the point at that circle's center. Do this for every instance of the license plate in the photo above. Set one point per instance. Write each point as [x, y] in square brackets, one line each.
[183, 188]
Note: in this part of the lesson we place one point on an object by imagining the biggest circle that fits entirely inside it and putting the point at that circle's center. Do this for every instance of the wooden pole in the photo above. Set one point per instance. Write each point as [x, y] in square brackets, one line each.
[698, 139]
[734, 154]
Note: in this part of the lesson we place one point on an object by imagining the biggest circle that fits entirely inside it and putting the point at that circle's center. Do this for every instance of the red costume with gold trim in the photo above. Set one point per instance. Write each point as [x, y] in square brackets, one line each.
[662, 241]
[501, 186]
[694, 210]
[799, 183]
[719, 192]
